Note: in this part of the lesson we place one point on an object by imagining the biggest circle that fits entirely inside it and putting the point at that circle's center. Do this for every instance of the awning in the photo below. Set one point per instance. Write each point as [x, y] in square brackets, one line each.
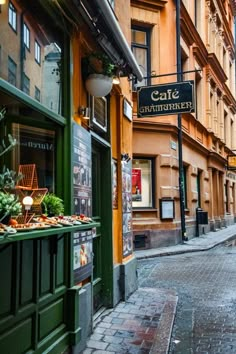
[105, 27]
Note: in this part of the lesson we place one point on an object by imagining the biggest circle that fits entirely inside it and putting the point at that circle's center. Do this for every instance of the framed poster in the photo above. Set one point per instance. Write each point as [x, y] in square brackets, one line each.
[167, 209]
[82, 171]
[114, 185]
[83, 254]
[137, 184]
[126, 170]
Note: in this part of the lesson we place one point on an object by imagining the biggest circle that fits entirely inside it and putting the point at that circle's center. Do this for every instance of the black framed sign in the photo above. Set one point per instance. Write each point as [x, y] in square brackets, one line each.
[172, 98]
[167, 209]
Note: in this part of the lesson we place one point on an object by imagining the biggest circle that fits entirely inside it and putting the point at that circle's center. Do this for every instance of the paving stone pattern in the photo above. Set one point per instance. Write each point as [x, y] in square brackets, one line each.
[132, 326]
[205, 282]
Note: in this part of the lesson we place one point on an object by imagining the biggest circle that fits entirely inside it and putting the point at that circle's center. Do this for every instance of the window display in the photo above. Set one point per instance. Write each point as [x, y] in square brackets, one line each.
[142, 183]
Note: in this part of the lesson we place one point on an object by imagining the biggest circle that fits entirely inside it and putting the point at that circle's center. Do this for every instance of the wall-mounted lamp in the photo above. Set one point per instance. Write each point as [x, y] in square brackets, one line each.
[84, 112]
[125, 158]
[2, 2]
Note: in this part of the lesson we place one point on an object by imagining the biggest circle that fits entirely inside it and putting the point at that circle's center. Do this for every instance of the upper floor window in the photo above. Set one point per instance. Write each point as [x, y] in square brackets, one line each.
[37, 93]
[37, 52]
[26, 84]
[140, 43]
[12, 16]
[26, 36]
[12, 71]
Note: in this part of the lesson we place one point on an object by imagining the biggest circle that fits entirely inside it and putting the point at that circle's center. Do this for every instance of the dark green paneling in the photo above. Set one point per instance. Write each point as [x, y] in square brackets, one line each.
[26, 274]
[45, 275]
[50, 318]
[60, 264]
[23, 332]
[6, 273]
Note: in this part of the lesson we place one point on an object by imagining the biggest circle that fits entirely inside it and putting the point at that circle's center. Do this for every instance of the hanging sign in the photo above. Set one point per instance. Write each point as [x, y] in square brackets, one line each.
[231, 162]
[172, 98]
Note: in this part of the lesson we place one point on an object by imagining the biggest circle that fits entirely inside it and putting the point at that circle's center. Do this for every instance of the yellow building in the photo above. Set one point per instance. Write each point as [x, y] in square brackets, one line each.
[207, 56]
[79, 143]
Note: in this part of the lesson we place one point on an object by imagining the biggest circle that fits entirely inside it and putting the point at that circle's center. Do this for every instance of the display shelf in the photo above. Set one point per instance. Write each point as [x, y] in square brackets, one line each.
[29, 235]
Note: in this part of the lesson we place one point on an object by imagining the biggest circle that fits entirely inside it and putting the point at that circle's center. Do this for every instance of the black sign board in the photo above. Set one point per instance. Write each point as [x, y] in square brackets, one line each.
[172, 98]
[82, 171]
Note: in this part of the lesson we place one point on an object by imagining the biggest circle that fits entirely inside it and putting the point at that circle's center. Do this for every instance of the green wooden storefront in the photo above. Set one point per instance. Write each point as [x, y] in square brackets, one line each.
[38, 299]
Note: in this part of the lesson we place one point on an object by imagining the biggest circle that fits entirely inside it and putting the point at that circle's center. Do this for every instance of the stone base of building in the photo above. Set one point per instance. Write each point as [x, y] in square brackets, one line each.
[155, 238]
[125, 280]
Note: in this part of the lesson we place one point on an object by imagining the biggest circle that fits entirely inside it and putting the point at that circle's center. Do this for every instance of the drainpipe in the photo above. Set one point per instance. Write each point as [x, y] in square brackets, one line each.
[22, 50]
[180, 151]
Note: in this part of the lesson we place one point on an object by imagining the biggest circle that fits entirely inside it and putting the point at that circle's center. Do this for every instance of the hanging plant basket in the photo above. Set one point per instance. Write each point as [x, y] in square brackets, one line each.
[98, 85]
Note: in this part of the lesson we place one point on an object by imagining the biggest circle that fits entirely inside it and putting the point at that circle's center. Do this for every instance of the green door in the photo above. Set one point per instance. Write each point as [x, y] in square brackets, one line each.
[102, 212]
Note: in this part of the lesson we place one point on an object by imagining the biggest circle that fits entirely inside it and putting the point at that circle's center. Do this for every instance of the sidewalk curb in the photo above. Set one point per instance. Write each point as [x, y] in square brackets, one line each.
[197, 249]
[161, 342]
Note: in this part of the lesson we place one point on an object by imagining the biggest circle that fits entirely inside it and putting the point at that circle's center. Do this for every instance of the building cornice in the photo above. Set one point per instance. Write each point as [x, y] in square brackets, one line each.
[154, 5]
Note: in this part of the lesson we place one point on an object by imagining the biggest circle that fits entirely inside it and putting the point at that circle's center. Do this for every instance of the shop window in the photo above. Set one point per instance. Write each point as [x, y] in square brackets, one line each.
[36, 146]
[12, 16]
[141, 49]
[99, 112]
[142, 183]
[12, 67]
[37, 93]
[26, 36]
[37, 52]
[26, 84]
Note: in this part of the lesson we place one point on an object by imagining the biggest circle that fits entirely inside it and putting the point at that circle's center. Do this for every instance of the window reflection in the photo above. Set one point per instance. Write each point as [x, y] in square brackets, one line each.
[36, 146]
[32, 61]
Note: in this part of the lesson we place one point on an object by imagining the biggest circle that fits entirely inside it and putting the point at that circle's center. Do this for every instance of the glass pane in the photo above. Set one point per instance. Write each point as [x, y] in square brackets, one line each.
[142, 183]
[36, 146]
[139, 37]
[141, 57]
[41, 65]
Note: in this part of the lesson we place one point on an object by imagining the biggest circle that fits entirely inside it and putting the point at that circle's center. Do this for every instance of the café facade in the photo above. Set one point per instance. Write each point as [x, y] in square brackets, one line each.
[73, 143]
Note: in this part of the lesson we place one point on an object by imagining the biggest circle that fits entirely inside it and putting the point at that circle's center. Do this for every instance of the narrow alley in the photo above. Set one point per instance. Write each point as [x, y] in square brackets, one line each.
[206, 286]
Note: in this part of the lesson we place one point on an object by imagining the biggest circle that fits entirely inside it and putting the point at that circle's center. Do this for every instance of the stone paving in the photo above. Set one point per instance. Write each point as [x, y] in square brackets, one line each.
[143, 324]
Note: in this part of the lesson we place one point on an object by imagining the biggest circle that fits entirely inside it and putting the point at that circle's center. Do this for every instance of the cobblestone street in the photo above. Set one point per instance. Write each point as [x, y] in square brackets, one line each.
[205, 282]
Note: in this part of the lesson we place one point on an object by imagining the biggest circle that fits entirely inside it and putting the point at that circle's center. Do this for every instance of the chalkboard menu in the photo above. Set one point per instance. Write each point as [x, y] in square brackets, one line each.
[127, 208]
[82, 171]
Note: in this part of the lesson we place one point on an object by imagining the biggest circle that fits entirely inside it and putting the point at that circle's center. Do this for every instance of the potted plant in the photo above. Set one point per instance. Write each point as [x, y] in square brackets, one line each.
[9, 206]
[99, 74]
[52, 205]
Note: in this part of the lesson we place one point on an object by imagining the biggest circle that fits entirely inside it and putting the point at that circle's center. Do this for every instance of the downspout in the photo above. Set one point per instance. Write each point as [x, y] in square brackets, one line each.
[117, 33]
[22, 50]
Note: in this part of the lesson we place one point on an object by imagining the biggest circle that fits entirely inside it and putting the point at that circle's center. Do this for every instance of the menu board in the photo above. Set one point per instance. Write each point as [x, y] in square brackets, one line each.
[83, 254]
[82, 171]
[127, 208]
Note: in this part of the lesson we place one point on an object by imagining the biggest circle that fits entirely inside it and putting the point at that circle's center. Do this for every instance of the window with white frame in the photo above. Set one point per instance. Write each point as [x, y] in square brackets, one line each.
[142, 183]
[12, 16]
[37, 52]
[26, 36]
